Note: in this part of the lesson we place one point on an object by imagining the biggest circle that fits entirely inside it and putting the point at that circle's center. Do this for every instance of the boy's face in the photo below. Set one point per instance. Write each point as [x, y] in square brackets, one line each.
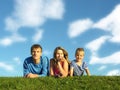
[79, 56]
[36, 53]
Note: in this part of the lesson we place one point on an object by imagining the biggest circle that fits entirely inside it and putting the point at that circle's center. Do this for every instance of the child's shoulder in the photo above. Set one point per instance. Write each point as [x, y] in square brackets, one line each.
[84, 65]
[84, 62]
[73, 61]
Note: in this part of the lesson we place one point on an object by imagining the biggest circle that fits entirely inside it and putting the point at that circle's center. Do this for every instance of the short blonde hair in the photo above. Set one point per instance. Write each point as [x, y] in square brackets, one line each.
[78, 50]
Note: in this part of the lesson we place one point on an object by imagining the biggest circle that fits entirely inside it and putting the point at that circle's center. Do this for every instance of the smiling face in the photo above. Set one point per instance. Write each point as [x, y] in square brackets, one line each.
[36, 53]
[59, 55]
[79, 55]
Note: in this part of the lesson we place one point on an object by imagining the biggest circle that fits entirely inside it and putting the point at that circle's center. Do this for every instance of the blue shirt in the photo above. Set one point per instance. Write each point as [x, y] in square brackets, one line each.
[41, 68]
[78, 70]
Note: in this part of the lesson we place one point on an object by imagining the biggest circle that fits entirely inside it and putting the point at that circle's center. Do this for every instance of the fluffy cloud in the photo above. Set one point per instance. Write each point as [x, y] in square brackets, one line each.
[112, 59]
[38, 36]
[101, 68]
[29, 13]
[11, 39]
[115, 72]
[111, 23]
[17, 60]
[6, 66]
[95, 45]
[78, 27]
[54, 9]
[33, 13]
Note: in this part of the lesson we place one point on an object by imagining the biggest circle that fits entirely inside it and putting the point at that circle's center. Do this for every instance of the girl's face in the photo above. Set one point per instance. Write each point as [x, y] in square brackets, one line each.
[79, 56]
[59, 55]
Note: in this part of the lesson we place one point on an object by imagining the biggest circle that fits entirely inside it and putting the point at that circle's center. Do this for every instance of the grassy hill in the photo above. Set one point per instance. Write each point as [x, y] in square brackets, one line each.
[68, 83]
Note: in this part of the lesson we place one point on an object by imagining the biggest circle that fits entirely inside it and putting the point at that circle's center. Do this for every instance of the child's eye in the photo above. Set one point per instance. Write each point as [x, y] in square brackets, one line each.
[37, 51]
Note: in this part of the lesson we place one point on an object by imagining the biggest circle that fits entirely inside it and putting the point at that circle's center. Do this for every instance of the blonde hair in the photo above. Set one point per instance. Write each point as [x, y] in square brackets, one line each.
[64, 52]
[78, 50]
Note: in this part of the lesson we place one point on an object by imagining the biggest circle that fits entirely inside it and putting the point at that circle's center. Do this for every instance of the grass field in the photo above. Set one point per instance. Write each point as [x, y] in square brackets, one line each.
[68, 83]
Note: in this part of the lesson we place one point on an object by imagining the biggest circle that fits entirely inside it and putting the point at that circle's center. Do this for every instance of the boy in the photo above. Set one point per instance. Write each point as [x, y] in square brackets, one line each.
[77, 66]
[36, 65]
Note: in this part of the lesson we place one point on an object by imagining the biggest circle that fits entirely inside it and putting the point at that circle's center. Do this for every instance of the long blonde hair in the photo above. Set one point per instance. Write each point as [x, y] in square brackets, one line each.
[64, 52]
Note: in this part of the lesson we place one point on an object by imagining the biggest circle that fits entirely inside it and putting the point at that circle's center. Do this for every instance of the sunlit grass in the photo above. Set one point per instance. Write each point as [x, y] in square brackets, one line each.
[68, 83]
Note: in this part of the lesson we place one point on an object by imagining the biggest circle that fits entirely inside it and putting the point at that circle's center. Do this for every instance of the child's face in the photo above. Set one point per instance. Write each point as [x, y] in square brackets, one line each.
[59, 55]
[79, 56]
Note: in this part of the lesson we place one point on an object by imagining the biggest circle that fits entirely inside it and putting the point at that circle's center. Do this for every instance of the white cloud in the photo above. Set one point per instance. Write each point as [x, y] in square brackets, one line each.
[11, 24]
[78, 27]
[111, 23]
[6, 66]
[54, 9]
[95, 45]
[101, 68]
[33, 13]
[17, 60]
[11, 39]
[112, 59]
[115, 72]
[38, 36]
[5, 41]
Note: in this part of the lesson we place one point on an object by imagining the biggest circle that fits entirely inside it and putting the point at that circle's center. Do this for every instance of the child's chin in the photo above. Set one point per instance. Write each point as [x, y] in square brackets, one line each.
[79, 60]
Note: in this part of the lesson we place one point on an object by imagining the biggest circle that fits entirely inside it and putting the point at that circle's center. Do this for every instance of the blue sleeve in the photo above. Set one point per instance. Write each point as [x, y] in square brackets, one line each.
[85, 66]
[25, 68]
[72, 64]
[45, 64]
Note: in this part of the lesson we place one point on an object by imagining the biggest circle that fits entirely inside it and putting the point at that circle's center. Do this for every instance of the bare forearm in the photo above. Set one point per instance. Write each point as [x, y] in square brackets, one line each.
[63, 72]
[71, 72]
[88, 72]
[51, 72]
[30, 75]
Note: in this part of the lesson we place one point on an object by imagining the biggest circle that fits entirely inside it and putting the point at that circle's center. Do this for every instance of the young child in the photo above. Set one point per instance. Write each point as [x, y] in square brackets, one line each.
[77, 66]
[59, 63]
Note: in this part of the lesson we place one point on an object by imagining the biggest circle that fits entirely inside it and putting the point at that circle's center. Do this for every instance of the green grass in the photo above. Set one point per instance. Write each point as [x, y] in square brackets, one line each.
[68, 83]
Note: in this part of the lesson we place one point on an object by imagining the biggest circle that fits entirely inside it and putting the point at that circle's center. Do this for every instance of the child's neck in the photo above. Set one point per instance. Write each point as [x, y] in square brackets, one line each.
[79, 63]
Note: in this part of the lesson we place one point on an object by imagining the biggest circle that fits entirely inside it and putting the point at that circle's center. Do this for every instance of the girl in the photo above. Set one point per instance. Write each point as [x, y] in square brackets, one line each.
[59, 63]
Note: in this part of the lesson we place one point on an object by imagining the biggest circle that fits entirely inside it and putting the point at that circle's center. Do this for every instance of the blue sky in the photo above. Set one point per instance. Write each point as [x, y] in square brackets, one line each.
[91, 24]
